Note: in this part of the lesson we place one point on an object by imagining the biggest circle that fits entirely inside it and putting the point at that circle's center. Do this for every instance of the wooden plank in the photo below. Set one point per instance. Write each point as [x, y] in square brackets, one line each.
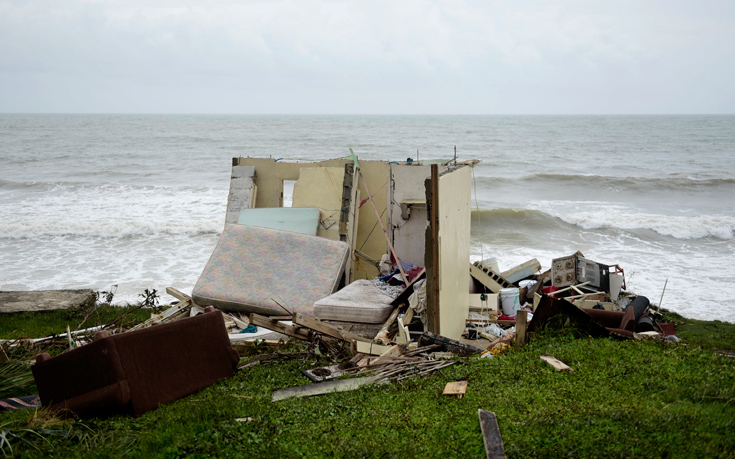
[556, 363]
[388, 355]
[340, 385]
[371, 348]
[177, 294]
[491, 435]
[296, 332]
[326, 329]
[458, 388]
[521, 324]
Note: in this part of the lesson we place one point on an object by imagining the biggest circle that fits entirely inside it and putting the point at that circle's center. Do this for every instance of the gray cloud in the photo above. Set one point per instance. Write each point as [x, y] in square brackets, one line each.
[412, 56]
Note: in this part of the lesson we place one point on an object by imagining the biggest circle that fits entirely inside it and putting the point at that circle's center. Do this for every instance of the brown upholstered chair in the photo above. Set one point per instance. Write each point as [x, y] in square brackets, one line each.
[134, 372]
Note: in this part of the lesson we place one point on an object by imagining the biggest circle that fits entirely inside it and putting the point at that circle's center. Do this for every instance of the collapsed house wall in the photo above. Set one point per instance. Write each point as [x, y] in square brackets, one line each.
[270, 175]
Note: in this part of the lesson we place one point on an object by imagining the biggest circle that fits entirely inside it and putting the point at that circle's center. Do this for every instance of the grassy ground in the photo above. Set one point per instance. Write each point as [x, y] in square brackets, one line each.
[624, 399]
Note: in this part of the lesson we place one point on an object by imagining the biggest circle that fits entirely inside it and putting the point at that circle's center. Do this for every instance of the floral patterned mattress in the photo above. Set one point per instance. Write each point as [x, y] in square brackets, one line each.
[252, 269]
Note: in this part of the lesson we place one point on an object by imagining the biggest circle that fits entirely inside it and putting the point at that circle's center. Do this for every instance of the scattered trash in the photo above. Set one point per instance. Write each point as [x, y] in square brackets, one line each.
[556, 363]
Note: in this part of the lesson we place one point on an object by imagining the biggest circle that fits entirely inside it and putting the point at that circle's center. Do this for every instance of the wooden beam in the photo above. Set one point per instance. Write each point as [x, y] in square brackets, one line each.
[432, 290]
[521, 323]
[395, 351]
[326, 329]
[296, 332]
[491, 435]
[177, 294]
[371, 348]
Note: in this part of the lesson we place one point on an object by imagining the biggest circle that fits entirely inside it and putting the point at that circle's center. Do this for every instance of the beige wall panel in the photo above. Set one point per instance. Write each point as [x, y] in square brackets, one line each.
[454, 250]
[407, 184]
[321, 187]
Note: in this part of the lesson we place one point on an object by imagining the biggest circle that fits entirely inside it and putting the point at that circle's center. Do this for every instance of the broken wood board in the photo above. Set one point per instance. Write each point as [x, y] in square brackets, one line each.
[394, 351]
[371, 348]
[45, 300]
[270, 324]
[458, 388]
[491, 435]
[181, 296]
[521, 324]
[326, 329]
[327, 387]
[556, 363]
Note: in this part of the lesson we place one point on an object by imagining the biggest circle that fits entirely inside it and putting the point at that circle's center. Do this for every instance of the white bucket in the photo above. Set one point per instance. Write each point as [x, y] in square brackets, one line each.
[491, 262]
[510, 301]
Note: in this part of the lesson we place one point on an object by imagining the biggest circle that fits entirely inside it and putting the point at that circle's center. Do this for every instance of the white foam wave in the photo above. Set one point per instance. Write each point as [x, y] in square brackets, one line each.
[111, 210]
[610, 216]
[679, 227]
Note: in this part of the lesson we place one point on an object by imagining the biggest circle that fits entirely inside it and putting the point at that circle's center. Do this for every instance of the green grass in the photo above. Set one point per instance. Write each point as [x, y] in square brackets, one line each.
[47, 323]
[624, 399]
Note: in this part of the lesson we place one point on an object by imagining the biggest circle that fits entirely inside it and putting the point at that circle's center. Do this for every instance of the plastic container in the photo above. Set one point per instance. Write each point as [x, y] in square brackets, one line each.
[510, 301]
[491, 262]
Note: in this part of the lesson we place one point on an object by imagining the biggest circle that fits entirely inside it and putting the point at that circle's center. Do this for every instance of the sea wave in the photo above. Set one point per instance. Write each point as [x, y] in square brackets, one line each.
[613, 218]
[612, 183]
[107, 229]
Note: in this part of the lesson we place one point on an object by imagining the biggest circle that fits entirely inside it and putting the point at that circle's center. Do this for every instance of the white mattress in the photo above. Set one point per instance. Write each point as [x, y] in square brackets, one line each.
[359, 302]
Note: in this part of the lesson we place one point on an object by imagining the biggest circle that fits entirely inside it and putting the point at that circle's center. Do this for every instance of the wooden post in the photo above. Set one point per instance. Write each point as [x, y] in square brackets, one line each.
[432, 247]
[521, 322]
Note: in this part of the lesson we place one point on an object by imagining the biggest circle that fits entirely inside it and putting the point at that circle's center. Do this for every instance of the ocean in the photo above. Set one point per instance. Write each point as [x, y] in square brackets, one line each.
[138, 201]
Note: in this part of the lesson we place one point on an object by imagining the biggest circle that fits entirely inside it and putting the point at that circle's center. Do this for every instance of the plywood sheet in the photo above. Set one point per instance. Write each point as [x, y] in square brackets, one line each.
[454, 250]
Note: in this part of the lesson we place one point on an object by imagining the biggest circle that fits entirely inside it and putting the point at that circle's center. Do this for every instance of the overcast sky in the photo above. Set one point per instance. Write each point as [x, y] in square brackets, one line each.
[400, 56]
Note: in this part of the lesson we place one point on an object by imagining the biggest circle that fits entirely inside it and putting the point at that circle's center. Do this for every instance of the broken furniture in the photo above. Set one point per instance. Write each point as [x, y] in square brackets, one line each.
[575, 270]
[134, 372]
[270, 272]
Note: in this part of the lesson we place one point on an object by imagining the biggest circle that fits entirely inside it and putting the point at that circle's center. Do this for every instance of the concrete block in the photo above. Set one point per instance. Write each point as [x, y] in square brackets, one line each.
[241, 183]
[232, 217]
[243, 171]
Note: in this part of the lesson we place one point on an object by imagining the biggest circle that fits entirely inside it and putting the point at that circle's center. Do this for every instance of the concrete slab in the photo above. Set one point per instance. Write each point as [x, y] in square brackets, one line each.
[44, 300]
